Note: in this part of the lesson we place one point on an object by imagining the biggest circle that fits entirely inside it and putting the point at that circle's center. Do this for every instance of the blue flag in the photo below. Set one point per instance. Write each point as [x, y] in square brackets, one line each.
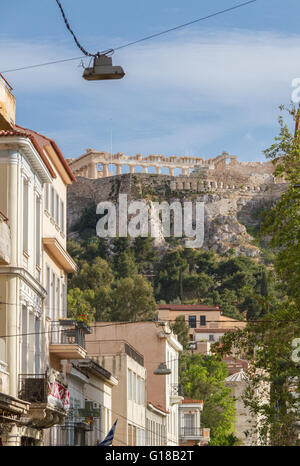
[107, 442]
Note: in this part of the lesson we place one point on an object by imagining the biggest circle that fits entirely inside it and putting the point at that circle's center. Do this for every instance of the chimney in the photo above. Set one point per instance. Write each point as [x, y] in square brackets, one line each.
[7, 105]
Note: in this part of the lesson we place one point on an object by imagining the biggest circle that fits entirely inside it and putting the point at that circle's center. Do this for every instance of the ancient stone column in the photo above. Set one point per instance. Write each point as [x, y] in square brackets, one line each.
[157, 168]
[92, 170]
[105, 169]
[119, 169]
[131, 167]
[171, 171]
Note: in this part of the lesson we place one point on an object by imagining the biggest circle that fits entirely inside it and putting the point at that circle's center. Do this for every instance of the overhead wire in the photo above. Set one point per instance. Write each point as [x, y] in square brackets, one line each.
[110, 324]
[143, 39]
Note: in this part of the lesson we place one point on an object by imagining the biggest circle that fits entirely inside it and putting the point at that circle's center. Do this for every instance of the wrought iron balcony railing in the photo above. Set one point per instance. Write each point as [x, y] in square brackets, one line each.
[68, 333]
[197, 432]
[33, 388]
[176, 389]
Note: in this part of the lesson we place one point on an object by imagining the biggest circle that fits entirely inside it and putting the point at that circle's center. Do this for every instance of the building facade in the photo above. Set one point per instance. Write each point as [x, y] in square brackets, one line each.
[190, 430]
[129, 396]
[34, 265]
[90, 415]
[157, 344]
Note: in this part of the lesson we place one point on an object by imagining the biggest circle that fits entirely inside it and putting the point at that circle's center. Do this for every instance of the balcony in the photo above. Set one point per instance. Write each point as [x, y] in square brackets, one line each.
[176, 393]
[67, 339]
[61, 255]
[48, 397]
[195, 433]
[4, 240]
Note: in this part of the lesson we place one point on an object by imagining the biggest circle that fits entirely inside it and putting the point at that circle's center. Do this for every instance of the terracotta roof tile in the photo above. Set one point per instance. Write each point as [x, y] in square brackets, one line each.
[213, 330]
[191, 401]
[36, 144]
[188, 307]
[45, 140]
[158, 406]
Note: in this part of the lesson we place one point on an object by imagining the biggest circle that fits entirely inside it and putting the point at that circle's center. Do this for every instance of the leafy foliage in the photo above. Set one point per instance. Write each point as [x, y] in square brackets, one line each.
[203, 378]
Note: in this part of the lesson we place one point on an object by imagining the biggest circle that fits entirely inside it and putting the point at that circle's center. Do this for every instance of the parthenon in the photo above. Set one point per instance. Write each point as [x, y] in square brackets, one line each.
[94, 164]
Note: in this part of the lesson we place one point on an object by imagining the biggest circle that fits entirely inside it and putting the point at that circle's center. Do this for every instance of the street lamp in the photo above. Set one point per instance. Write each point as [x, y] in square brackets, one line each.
[162, 369]
[103, 69]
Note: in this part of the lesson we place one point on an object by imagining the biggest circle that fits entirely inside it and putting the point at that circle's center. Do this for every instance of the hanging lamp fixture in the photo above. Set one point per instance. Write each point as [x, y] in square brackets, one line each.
[102, 68]
[162, 369]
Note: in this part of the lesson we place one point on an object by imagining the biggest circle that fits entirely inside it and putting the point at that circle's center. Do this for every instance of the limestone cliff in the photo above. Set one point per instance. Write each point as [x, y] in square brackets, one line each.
[231, 204]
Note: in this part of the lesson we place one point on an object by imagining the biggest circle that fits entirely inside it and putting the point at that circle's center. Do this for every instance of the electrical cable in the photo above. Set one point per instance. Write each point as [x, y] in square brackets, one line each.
[153, 321]
[129, 43]
[69, 28]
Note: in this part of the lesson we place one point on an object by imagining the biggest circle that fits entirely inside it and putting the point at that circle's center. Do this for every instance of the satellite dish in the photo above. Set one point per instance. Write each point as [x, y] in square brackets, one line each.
[103, 69]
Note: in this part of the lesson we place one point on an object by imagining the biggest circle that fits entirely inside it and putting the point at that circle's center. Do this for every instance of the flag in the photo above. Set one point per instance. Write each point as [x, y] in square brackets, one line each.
[107, 442]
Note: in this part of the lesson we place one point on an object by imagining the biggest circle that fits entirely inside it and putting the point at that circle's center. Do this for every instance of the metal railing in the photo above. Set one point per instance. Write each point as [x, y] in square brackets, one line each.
[197, 432]
[33, 388]
[70, 334]
[139, 358]
[176, 389]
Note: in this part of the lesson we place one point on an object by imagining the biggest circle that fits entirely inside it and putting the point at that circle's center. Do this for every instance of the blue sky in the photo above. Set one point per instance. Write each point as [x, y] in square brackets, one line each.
[198, 91]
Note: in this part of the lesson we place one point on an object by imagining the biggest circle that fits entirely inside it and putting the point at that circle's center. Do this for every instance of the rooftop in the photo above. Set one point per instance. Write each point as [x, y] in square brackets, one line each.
[188, 307]
[190, 401]
[39, 142]
[158, 406]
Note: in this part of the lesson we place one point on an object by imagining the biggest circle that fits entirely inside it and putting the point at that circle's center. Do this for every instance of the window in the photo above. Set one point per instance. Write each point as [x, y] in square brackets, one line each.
[24, 332]
[189, 422]
[211, 338]
[48, 290]
[37, 352]
[129, 388]
[58, 297]
[133, 386]
[47, 197]
[53, 295]
[202, 320]
[64, 300]
[25, 216]
[57, 210]
[38, 230]
[62, 216]
[52, 202]
[192, 321]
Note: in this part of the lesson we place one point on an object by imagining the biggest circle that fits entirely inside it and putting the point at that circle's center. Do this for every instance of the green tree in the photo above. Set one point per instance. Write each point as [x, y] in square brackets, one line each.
[274, 385]
[92, 275]
[125, 265]
[80, 304]
[146, 255]
[132, 300]
[203, 378]
[283, 222]
[181, 329]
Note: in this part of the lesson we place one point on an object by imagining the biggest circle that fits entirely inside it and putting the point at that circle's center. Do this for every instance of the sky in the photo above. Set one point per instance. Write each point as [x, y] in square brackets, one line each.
[212, 87]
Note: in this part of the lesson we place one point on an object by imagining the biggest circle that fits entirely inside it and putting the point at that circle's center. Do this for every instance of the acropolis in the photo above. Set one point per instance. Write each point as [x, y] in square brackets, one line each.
[94, 164]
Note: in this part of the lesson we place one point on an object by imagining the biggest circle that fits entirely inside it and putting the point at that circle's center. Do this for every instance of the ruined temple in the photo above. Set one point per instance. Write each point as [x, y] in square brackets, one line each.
[234, 192]
[222, 171]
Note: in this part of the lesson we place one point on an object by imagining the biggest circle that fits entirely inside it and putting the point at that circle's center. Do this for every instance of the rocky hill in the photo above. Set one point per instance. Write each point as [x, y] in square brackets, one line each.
[232, 204]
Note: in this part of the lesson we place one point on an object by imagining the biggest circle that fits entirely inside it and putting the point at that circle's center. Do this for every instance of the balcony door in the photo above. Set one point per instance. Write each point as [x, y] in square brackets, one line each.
[189, 425]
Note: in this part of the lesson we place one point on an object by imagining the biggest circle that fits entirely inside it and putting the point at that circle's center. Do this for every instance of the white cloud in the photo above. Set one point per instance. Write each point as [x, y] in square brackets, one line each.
[179, 93]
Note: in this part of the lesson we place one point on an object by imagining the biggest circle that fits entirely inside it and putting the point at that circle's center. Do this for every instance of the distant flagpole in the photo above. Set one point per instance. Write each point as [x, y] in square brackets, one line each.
[107, 442]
